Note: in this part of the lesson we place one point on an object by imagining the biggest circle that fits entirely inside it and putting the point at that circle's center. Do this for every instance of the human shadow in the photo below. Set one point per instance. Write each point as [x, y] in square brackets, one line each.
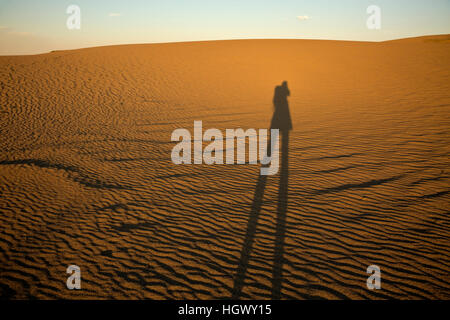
[281, 120]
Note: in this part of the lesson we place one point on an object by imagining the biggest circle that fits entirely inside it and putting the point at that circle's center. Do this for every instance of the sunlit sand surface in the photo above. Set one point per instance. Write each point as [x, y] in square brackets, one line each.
[86, 176]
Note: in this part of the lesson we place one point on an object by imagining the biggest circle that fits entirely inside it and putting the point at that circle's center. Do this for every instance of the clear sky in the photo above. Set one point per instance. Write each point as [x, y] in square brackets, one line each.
[30, 26]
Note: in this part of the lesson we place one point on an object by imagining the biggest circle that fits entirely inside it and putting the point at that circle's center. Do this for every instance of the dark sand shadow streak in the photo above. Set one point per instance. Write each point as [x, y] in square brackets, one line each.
[249, 237]
[280, 231]
[281, 120]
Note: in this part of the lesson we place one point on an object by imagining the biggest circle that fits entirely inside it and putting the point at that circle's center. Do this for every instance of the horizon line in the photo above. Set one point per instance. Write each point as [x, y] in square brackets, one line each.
[218, 40]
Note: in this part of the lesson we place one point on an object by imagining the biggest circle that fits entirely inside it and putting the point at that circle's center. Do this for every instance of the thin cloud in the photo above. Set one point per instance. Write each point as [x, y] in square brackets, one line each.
[303, 18]
[20, 33]
[8, 30]
[114, 14]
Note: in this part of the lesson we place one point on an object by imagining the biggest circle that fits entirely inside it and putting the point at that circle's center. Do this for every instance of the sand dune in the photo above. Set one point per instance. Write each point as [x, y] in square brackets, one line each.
[86, 176]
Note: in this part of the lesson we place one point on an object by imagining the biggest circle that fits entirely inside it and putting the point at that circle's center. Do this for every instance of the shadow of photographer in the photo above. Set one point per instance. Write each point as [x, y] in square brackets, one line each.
[281, 120]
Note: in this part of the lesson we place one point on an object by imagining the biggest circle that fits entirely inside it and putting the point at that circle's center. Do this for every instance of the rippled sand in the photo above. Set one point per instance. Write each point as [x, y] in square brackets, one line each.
[86, 176]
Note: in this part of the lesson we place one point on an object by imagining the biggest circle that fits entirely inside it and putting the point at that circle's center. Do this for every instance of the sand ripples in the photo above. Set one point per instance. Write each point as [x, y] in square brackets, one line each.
[86, 176]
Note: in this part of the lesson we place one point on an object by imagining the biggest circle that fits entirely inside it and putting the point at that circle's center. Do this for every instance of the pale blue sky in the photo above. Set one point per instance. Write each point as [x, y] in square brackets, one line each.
[30, 26]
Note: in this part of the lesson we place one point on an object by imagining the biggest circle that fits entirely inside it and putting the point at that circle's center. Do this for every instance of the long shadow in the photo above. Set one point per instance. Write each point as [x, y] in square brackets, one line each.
[249, 237]
[281, 218]
[281, 120]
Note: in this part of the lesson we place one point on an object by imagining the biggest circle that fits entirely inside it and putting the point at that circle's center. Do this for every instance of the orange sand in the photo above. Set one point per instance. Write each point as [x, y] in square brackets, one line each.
[86, 176]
